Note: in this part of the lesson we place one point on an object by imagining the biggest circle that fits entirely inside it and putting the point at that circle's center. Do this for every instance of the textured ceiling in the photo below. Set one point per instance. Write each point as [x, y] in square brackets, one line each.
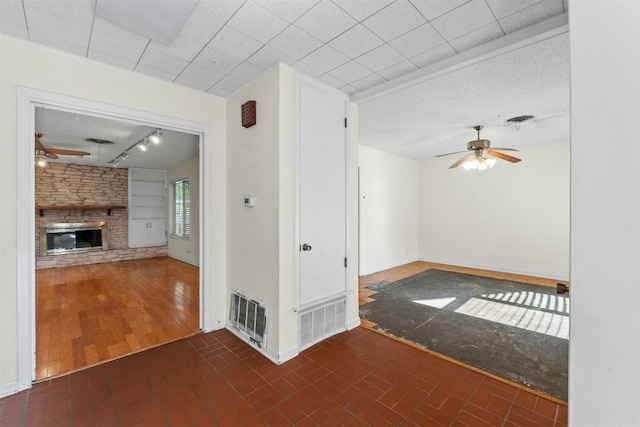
[422, 71]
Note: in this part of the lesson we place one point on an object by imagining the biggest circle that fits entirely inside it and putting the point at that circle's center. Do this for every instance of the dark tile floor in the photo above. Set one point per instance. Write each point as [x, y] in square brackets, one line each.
[357, 378]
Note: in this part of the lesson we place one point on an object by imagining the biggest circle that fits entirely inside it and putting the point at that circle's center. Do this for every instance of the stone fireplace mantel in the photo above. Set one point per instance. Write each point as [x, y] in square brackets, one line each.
[108, 208]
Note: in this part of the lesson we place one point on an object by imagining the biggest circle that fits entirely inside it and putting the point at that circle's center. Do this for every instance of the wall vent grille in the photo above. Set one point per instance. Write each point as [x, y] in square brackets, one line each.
[249, 317]
[320, 322]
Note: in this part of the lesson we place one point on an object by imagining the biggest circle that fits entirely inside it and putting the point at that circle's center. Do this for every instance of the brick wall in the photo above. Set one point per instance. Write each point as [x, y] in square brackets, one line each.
[62, 184]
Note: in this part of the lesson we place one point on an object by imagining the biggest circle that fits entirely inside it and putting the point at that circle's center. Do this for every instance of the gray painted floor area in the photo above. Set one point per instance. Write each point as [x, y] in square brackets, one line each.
[514, 330]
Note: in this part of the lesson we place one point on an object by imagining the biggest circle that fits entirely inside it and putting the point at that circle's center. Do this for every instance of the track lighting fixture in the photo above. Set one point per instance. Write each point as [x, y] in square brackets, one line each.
[142, 145]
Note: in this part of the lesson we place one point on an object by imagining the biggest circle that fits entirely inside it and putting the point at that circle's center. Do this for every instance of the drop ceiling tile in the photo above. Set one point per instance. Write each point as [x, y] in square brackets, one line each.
[107, 27]
[380, 58]
[191, 83]
[159, 61]
[464, 19]
[247, 71]
[257, 22]
[434, 55]
[234, 43]
[432, 9]
[12, 19]
[398, 70]
[57, 43]
[125, 46]
[361, 10]
[295, 42]
[207, 19]
[268, 56]
[111, 60]
[416, 41]
[230, 83]
[162, 75]
[64, 30]
[356, 41]
[325, 59]
[200, 75]
[180, 47]
[368, 82]
[219, 91]
[216, 60]
[395, 20]
[325, 21]
[350, 72]
[288, 9]
[306, 69]
[531, 15]
[348, 89]
[330, 80]
[502, 8]
[477, 37]
[77, 11]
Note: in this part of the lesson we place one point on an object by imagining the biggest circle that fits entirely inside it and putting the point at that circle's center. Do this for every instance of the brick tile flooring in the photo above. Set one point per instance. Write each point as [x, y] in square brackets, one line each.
[358, 378]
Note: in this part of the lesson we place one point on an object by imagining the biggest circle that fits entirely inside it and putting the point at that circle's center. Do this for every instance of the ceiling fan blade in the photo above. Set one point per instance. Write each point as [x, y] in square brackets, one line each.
[491, 152]
[448, 154]
[504, 149]
[462, 160]
[63, 152]
[50, 155]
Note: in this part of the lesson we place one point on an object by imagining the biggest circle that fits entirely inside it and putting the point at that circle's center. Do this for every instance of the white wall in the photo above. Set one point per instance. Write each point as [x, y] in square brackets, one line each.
[604, 350]
[29, 65]
[388, 210]
[186, 249]
[512, 217]
[254, 164]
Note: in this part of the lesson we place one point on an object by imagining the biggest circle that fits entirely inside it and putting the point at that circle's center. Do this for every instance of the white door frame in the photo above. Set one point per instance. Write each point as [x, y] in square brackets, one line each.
[27, 100]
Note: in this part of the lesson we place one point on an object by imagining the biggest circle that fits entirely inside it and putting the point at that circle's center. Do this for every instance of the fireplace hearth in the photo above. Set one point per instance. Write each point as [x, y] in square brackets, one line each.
[67, 237]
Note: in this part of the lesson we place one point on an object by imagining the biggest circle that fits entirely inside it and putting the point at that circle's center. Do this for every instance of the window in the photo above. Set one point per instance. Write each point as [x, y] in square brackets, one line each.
[181, 208]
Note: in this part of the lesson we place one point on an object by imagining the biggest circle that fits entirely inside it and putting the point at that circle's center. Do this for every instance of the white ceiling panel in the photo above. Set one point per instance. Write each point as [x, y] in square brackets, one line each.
[464, 19]
[268, 56]
[395, 20]
[418, 40]
[257, 22]
[201, 75]
[356, 41]
[380, 58]
[369, 49]
[111, 60]
[153, 72]
[295, 42]
[207, 19]
[289, 10]
[477, 37]
[533, 14]
[325, 21]
[12, 19]
[325, 59]
[217, 61]
[361, 10]
[432, 9]
[350, 72]
[234, 43]
[502, 8]
[433, 55]
[397, 70]
[160, 61]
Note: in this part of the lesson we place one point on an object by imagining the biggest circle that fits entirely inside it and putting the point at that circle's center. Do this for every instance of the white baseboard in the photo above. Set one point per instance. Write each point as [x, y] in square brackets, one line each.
[7, 389]
[275, 357]
[194, 263]
[354, 323]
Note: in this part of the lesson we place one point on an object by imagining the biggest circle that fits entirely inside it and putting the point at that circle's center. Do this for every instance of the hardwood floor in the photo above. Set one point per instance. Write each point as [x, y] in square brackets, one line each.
[92, 313]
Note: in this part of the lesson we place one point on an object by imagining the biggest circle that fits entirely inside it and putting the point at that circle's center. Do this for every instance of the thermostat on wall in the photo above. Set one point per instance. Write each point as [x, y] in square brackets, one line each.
[249, 201]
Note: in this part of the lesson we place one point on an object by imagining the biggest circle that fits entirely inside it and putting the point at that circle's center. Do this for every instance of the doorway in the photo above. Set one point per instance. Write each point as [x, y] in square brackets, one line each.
[28, 101]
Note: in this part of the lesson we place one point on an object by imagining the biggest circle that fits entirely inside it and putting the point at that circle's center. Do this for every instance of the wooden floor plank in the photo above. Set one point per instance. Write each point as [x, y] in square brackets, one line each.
[91, 313]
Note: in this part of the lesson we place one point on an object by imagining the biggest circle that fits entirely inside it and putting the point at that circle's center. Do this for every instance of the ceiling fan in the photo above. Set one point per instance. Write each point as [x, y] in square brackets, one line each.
[53, 153]
[482, 156]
